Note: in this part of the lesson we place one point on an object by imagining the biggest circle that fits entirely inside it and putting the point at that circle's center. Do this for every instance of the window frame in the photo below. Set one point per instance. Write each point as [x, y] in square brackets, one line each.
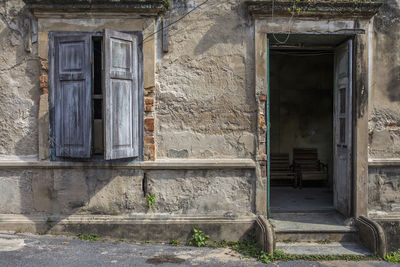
[52, 100]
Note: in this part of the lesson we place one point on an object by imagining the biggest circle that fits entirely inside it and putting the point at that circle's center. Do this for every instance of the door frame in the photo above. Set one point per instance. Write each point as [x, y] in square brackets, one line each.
[265, 26]
[347, 38]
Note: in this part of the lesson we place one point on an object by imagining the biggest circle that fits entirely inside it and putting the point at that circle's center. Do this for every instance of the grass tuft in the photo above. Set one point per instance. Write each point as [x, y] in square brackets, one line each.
[89, 237]
[393, 257]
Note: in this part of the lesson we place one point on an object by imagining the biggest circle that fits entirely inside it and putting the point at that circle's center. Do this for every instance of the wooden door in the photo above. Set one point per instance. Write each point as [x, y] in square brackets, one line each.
[342, 125]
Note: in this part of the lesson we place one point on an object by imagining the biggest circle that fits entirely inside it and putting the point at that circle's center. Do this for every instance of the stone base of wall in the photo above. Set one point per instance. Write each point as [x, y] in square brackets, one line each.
[141, 228]
[123, 190]
[391, 227]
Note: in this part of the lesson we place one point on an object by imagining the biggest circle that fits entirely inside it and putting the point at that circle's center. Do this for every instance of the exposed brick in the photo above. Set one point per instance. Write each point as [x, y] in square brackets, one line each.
[263, 97]
[149, 91]
[263, 171]
[44, 64]
[152, 149]
[262, 157]
[149, 140]
[149, 100]
[149, 124]
[261, 121]
[45, 91]
[43, 79]
[148, 108]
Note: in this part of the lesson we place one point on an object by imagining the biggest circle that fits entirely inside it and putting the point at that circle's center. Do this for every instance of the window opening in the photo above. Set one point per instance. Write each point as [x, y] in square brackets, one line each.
[97, 96]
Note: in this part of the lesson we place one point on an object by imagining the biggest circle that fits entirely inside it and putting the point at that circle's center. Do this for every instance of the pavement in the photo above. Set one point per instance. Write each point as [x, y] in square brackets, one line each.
[34, 250]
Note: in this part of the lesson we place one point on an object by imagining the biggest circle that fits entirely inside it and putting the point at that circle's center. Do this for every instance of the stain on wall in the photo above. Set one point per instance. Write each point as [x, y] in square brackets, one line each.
[384, 119]
[19, 82]
[383, 190]
[205, 94]
[121, 192]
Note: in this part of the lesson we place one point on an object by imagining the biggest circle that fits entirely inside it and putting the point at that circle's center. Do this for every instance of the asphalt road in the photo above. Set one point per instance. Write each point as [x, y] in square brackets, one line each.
[31, 250]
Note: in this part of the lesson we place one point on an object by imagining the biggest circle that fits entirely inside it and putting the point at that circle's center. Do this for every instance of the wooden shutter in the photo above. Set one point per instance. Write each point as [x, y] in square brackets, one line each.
[71, 95]
[121, 95]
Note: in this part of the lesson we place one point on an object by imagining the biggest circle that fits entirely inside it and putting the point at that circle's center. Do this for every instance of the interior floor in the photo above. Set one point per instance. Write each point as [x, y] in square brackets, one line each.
[307, 199]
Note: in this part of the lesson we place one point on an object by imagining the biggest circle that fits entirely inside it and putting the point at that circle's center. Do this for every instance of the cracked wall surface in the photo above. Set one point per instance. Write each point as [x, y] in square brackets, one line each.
[122, 192]
[384, 185]
[19, 82]
[384, 117]
[205, 98]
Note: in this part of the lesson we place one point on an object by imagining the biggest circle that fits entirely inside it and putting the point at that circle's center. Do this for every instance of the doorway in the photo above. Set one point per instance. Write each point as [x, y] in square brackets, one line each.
[310, 116]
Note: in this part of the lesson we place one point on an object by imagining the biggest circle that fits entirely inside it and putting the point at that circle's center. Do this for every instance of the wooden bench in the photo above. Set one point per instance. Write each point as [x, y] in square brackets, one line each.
[280, 168]
[309, 167]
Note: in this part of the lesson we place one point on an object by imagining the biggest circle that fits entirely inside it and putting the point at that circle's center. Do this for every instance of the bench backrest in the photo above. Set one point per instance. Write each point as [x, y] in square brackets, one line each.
[307, 158]
[279, 161]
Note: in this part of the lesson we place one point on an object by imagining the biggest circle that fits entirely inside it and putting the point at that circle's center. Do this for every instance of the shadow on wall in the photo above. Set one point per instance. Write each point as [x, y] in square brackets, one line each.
[19, 82]
[52, 198]
[58, 194]
[228, 28]
[387, 38]
[233, 27]
[393, 87]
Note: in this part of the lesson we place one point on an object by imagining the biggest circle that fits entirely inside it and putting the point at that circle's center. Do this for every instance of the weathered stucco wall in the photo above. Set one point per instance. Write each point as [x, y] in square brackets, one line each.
[384, 122]
[204, 107]
[122, 191]
[205, 93]
[384, 118]
[19, 81]
[384, 190]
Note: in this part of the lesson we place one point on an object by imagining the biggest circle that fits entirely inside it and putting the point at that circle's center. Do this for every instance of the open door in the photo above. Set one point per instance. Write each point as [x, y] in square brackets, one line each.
[342, 125]
[268, 141]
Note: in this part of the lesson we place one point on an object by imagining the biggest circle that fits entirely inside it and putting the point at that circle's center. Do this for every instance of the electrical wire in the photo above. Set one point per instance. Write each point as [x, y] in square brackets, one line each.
[289, 26]
[172, 23]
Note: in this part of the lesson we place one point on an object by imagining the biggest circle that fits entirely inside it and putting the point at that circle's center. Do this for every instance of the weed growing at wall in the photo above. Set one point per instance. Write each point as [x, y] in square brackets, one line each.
[393, 257]
[250, 248]
[296, 9]
[150, 200]
[174, 242]
[89, 237]
[199, 239]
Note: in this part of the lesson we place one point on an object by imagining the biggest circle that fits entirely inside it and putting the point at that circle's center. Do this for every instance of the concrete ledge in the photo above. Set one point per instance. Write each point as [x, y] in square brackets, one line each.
[181, 164]
[333, 9]
[389, 162]
[142, 6]
[384, 216]
[159, 228]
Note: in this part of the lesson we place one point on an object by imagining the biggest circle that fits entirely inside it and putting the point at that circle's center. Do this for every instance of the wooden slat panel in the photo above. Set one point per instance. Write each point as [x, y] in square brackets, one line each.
[72, 103]
[121, 95]
[280, 167]
[307, 160]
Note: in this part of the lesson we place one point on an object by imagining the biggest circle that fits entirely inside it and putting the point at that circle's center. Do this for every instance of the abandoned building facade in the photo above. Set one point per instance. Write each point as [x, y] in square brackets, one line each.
[229, 115]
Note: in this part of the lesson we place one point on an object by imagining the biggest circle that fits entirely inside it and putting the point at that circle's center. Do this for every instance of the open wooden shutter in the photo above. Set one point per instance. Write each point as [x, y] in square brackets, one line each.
[121, 95]
[342, 170]
[71, 96]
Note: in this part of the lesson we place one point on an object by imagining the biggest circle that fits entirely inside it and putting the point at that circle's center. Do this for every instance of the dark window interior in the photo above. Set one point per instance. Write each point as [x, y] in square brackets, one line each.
[97, 97]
